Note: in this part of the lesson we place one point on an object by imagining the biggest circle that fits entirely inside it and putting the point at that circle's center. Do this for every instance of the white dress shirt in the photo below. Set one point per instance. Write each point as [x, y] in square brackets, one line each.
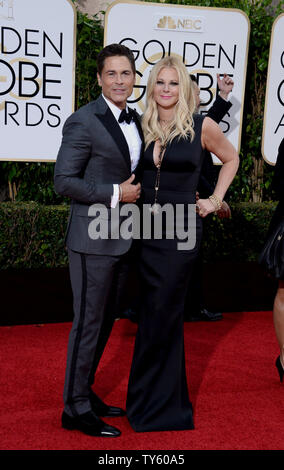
[133, 140]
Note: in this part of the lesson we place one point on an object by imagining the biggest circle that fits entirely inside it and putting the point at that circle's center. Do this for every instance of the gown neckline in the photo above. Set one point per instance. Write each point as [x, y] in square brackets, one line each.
[153, 156]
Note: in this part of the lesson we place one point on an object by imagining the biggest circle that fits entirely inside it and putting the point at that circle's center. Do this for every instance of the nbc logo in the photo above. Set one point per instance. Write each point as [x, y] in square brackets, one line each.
[194, 24]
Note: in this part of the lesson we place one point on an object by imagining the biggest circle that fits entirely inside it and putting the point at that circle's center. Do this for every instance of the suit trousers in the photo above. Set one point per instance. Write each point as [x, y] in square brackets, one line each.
[98, 283]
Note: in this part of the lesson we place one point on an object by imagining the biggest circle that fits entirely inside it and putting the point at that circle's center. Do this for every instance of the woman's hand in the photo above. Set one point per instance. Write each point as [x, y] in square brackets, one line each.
[204, 207]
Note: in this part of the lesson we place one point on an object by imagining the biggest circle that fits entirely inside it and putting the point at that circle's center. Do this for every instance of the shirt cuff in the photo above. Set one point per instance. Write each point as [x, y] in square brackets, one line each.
[115, 196]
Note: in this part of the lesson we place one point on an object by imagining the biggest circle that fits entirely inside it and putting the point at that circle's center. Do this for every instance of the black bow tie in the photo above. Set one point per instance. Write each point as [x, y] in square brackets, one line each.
[127, 117]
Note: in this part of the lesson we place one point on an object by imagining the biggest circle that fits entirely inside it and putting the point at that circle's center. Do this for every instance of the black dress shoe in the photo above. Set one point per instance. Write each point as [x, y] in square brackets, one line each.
[204, 315]
[101, 409]
[89, 424]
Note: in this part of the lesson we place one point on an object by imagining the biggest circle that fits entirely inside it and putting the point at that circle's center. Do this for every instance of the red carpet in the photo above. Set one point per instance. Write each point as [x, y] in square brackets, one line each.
[234, 387]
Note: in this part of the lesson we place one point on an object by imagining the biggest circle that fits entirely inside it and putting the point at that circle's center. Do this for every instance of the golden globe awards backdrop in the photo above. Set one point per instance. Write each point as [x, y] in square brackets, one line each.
[273, 126]
[37, 69]
[208, 40]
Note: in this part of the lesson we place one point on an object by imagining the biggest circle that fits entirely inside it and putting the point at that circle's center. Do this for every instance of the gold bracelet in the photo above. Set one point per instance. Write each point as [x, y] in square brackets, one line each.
[216, 201]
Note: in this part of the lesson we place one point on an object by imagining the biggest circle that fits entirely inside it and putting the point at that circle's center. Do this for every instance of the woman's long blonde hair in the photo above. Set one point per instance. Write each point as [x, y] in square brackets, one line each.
[182, 123]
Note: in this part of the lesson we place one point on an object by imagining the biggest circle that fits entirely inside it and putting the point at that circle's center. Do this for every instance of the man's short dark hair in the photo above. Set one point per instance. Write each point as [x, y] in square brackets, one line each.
[114, 50]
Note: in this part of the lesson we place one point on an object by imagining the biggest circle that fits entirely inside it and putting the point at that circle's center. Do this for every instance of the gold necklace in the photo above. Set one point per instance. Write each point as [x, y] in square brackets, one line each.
[165, 121]
[155, 207]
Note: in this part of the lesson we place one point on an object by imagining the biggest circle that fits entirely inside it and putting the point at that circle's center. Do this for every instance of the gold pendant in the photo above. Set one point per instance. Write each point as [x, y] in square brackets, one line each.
[154, 209]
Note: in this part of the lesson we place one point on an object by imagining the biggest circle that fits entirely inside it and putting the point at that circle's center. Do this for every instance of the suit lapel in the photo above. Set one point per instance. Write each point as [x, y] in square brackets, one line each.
[106, 117]
[139, 169]
[136, 119]
[138, 124]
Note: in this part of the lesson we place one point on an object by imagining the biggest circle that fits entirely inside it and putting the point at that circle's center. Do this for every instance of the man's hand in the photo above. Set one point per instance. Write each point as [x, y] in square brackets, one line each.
[130, 192]
[225, 85]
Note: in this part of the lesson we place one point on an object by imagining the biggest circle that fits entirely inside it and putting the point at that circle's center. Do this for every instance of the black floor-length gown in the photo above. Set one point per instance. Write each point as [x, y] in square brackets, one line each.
[157, 396]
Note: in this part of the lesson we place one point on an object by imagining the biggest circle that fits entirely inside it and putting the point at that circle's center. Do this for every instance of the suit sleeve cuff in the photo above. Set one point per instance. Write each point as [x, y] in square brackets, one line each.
[115, 196]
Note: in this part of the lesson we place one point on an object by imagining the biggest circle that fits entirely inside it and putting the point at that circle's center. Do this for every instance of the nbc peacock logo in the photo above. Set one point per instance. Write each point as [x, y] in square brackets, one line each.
[190, 24]
[166, 22]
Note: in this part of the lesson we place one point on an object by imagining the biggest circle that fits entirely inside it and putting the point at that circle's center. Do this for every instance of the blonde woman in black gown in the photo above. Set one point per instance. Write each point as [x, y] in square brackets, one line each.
[175, 139]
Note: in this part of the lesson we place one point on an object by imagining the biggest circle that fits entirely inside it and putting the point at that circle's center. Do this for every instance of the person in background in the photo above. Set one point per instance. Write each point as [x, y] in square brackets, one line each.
[278, 306]
[195, 309]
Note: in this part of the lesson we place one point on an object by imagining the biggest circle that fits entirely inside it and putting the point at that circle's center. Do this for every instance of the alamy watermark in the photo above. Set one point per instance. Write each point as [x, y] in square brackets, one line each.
[130, 221]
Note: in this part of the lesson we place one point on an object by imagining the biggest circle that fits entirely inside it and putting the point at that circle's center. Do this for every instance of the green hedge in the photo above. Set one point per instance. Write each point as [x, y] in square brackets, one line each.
[241, 237]
[32, 234]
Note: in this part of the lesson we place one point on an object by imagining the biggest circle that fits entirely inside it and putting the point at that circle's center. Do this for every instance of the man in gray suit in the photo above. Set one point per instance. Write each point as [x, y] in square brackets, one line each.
[97, 163]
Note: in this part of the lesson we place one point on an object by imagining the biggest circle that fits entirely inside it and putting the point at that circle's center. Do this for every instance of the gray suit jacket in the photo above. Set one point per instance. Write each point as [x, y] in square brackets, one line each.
[93, 156]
